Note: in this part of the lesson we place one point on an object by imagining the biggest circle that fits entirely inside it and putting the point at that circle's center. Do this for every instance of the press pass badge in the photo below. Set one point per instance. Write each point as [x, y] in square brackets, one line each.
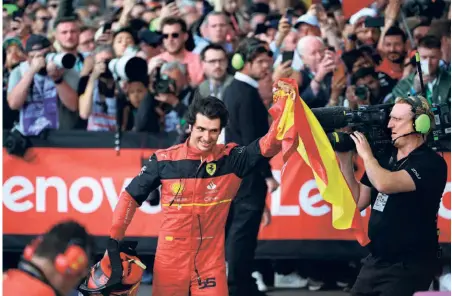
[424, 67]
[380, 202]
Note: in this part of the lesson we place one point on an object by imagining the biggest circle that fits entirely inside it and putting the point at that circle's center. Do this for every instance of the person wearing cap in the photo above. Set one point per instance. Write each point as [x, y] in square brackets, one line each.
[40, 90]
[150, 43]
[14, 53]
[356, 34]
[307, 25]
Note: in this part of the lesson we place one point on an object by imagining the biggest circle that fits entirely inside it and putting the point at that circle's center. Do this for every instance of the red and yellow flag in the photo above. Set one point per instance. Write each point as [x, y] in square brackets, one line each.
[300, 131]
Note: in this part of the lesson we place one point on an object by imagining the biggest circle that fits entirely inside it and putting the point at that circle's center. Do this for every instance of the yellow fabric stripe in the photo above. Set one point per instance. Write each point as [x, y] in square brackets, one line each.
[336, 192]
[287, 119]
[197, 204]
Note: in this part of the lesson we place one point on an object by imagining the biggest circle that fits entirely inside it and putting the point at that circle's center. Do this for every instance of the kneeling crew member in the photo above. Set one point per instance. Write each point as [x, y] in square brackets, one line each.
[53, 264]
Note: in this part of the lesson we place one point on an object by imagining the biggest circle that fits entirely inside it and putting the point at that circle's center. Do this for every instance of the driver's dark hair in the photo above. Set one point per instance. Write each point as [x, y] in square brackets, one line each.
[211, 107]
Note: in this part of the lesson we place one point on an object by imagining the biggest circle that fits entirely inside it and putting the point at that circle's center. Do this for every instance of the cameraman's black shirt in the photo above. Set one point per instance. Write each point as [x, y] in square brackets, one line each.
[404, 225]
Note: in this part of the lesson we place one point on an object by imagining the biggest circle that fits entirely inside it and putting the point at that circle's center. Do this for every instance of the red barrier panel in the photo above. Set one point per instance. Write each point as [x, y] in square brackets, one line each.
[83, 184]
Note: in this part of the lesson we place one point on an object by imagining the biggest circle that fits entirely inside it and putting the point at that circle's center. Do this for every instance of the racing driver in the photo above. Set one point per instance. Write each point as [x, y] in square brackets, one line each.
[199, 179]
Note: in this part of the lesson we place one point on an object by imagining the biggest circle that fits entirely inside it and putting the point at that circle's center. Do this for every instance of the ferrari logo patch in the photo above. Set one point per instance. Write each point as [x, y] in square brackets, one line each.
[211, 168]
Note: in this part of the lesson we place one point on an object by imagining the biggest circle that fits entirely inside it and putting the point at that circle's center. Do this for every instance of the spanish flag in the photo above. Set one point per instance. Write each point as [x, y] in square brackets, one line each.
[300, 131]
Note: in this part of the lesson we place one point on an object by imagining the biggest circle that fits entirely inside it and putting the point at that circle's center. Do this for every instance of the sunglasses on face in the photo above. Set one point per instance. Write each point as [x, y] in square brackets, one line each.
[173, 35]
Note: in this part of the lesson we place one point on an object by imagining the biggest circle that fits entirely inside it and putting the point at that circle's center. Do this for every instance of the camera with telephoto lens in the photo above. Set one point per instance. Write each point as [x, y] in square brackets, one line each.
[129, 67]
[62, 60]
[16, 143]
[372, 121]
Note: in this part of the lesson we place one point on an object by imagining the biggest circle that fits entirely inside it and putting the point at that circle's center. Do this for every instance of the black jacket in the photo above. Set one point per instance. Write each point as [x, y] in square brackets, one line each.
[248, 121]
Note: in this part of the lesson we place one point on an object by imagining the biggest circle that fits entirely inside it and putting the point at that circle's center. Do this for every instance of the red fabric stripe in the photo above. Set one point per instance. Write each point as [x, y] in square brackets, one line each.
[304, 131]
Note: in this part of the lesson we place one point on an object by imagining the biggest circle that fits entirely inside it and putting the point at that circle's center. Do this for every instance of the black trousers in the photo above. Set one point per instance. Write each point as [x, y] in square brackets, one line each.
[242, 228]
[404, 278]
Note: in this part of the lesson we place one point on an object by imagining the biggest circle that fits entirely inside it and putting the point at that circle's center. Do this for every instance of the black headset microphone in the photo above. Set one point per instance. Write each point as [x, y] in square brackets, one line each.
[404, 135]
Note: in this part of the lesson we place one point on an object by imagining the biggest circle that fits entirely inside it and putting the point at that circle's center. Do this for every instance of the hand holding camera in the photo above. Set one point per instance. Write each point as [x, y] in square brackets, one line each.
[362, 146]
[54, 72]
[99, 69]
[38, 63]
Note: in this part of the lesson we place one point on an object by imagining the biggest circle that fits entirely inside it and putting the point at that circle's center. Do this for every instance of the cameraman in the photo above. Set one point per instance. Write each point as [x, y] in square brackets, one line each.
[41, 91]
[404, 190]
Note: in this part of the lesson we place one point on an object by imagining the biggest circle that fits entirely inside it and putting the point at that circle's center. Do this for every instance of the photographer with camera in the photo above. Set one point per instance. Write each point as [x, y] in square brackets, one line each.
[40, 89]
[366, 89]
[98, 103]
[170, 89]
[404, 190]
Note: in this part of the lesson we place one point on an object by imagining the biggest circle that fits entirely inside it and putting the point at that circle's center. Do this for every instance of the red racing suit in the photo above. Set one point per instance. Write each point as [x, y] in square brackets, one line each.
[18, 282]
[196, 194]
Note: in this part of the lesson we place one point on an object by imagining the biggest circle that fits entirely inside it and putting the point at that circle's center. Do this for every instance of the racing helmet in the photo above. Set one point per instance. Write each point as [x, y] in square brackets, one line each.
[118, 273]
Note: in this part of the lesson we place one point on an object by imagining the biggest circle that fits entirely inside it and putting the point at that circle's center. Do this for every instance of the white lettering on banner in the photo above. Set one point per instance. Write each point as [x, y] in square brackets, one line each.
[276, 208]
[307, 202]
[110, 191]
[42, 184]
[443, 211]
[74, 195]
[13, 200]
[10, 199]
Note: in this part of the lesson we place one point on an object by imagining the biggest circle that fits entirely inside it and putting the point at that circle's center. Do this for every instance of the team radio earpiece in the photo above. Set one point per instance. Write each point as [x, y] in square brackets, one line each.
[422, 122]
[73, 261]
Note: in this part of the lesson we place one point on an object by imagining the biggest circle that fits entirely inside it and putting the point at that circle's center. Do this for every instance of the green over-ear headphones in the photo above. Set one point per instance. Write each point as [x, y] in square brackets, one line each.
[245, 51]
[421, 123]
[237, 61]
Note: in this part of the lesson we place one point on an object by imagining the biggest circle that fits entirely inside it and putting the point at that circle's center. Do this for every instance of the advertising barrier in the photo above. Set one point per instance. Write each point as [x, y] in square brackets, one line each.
[53, 184]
